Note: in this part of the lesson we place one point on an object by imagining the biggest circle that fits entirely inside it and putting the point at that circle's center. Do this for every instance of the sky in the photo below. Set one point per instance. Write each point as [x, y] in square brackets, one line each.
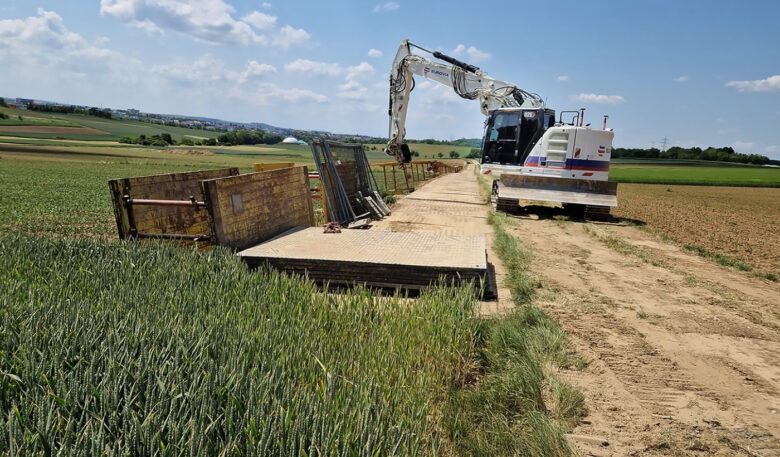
[668, 73]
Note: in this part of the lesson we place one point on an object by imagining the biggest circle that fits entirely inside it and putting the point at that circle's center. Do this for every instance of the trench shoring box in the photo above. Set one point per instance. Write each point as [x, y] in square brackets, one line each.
[214, 207]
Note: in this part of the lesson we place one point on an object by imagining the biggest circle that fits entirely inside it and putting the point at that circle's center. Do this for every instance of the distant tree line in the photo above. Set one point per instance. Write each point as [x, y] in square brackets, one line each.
[725, 154]
[159, 139]
[244, 136]
[70, 109]
[165, 139]
[238, 137]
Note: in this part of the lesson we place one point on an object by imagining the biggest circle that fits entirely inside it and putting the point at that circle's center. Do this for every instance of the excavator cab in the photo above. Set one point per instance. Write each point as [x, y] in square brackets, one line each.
[511, 134]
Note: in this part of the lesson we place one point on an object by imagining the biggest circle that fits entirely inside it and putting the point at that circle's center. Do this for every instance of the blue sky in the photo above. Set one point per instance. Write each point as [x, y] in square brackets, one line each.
[696, 73]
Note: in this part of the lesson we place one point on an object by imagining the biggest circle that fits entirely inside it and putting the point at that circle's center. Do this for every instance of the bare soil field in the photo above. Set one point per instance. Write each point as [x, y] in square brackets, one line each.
[50, 129]
[739, 222]
[683, 354]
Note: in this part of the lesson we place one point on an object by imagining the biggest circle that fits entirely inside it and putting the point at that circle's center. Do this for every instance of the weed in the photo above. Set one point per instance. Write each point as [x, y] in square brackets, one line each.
[769, 276]
[568, 404]
[719, 258]
[505, 412]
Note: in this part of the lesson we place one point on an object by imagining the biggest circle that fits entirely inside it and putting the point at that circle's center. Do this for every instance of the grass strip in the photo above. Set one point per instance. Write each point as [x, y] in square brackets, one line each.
[719, 258]
[516, 404]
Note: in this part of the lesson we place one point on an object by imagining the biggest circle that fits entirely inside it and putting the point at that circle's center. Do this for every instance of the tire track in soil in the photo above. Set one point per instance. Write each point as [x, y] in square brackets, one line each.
[678, 362]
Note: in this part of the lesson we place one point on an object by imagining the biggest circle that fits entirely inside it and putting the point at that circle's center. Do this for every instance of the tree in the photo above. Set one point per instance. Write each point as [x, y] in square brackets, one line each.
[167, 138]
[2, 102]
[724, 154]
[454, 155]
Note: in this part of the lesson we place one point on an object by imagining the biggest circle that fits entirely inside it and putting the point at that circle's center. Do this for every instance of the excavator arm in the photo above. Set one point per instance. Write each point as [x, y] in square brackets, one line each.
[466, 80]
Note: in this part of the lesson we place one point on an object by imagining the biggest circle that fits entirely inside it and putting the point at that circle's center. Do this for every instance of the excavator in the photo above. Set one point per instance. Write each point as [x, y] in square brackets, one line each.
[532, 155]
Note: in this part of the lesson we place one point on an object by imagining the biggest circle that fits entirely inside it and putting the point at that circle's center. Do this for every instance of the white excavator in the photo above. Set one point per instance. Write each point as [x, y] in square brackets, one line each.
[533, 156]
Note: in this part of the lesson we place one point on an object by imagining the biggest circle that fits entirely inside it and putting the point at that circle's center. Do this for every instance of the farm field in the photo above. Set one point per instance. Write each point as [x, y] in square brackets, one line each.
[32, 124]
[59, 243]
[628, 299]
[121, 348]
[709, 174]
[196, 354]
[681, 352]
[741, 225]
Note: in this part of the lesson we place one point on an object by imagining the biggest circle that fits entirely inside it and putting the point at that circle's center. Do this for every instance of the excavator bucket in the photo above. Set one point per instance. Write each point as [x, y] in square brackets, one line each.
[511, 188]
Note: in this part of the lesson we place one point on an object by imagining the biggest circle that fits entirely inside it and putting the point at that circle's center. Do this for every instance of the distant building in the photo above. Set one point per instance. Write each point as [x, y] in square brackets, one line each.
[290, 140]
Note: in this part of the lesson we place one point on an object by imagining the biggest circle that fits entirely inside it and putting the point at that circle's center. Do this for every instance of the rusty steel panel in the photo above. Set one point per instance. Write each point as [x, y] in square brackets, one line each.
[249, 209]
[133, 220]
[272, 166]
[348, 173]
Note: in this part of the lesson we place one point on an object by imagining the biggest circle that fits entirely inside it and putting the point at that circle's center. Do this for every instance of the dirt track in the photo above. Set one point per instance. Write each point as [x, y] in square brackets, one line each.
[683, 355]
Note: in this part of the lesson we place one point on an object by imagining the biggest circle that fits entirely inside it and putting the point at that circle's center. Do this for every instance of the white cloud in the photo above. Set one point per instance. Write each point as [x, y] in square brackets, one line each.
[42, 46]
[681, 79]
[742, 145]
[476, 54]
[260, 21]
[386, 7]
[374, 53]
[599, 99]
[353, 90]
[424, 85]
[208, 70]
[471, 52]
[770, 84]
[314, 68]
[296, 94]
[46, 30]
[771, 149]
[269, 94]
[363, 69]
[289, 36]
[211, 21]
[255, 69]
[562, 78]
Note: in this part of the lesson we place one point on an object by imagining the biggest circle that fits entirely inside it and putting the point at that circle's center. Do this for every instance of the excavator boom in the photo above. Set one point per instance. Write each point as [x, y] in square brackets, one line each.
[468, 81]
